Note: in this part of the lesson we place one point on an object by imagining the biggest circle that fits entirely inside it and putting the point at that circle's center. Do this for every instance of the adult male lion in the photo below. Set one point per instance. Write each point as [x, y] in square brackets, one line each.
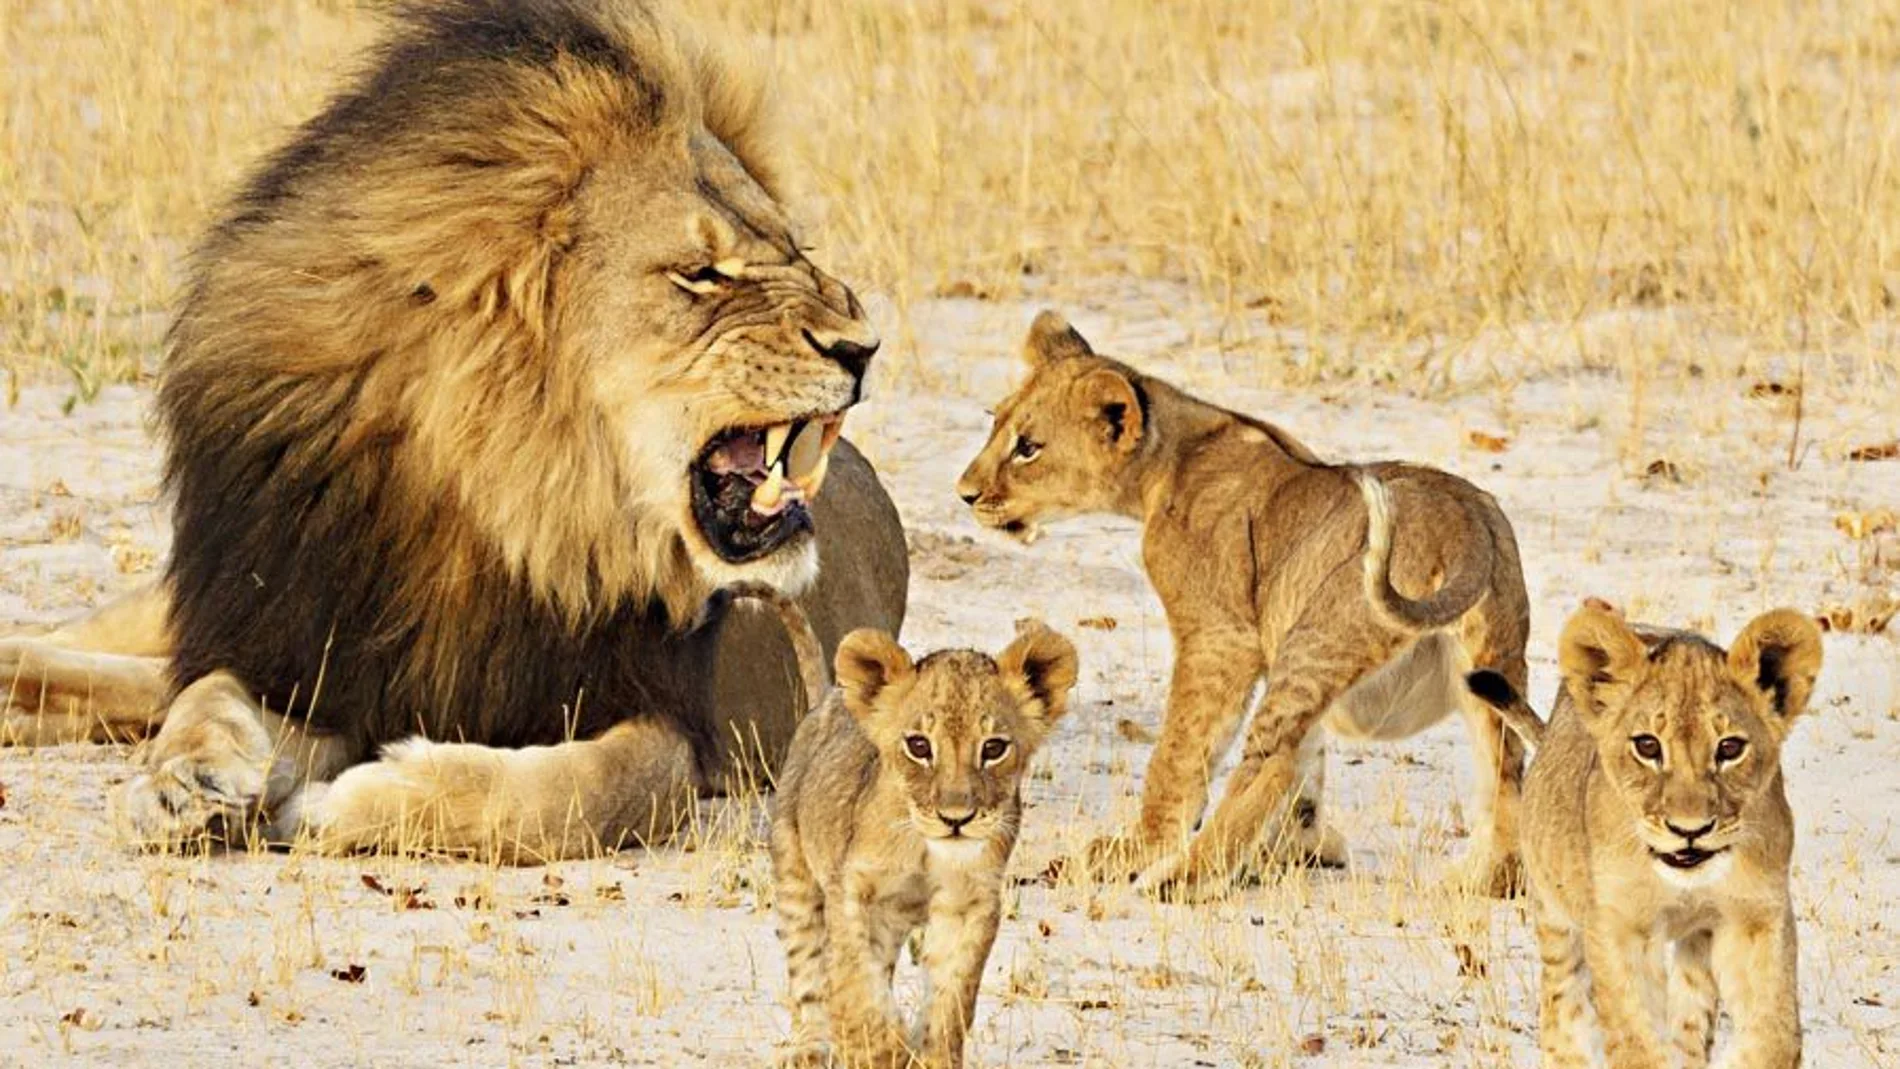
[479, 391]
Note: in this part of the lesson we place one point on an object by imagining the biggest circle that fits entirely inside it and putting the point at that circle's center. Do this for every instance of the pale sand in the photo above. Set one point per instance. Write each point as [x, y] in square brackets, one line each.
[229, 960]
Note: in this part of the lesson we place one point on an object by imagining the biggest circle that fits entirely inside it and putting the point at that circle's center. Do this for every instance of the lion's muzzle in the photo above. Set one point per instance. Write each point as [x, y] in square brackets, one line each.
[752, 486]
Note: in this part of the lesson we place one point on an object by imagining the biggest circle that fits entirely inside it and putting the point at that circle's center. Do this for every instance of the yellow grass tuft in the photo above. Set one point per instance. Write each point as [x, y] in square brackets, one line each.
[1377, 185]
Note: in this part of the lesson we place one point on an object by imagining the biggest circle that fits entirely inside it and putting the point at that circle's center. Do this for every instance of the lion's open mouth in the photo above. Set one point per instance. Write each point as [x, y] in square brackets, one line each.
[752, 485]
[1688, 857]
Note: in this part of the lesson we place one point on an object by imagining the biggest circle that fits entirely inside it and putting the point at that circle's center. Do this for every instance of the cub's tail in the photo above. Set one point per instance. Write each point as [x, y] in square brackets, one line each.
[1438, 609]
[806, 648]
[1496, 691]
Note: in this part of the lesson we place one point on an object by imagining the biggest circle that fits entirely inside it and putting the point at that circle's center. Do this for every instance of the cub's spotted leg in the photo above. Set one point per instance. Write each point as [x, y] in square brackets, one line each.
[1214, 673]
[1755, 968]
[1692, 1001]
[1627, 988]
[1312, 669]
[526, 806]
[1300, 835]
[1493, 866]
[862, 1008]
[799, 901]
[957, 938]
[1563, 995]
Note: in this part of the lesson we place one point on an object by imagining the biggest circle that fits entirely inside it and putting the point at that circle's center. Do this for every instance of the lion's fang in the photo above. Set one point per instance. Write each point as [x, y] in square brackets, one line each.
[775, 439]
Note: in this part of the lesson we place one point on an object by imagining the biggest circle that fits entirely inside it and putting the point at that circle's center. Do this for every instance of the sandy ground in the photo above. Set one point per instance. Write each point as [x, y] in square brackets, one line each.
[669, 959]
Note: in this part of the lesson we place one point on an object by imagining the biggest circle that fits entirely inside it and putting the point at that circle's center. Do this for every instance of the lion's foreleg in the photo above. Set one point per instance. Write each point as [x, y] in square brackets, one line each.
[137, 624]
[97, 678]
[51, 695]
[632, 785]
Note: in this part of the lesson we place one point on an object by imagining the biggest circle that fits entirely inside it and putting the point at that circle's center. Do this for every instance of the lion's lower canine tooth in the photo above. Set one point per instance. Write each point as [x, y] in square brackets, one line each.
[812, 482]
[767, 495]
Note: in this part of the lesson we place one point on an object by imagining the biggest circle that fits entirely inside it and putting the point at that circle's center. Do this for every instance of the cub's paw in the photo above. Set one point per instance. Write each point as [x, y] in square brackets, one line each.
[1319, 847]
[1113, 859]
[1184, 877]
[804, 1055]
[1485, 873]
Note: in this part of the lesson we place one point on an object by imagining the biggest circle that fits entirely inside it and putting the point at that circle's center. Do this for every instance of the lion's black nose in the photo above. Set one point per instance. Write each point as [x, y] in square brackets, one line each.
[969, 496]
[956, 823]
[853, 356]
[1690, 834]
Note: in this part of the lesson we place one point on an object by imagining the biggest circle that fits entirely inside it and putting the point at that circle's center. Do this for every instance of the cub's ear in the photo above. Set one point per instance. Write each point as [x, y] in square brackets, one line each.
[1040, 667]
[1108, 397]
[1779, 653]
[1051, 338]
[869, 663]
[1600, 657]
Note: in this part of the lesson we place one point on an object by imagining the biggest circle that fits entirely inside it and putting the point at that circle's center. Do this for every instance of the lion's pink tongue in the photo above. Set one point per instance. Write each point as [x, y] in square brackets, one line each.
[745, 453]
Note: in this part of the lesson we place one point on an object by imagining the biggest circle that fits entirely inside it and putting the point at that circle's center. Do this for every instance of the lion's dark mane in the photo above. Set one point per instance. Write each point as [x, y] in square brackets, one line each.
[294, 517]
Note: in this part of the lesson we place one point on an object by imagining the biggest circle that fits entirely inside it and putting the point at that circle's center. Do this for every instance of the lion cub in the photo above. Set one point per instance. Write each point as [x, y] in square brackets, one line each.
[897, 809]
[1654, 813]
[1361, 594]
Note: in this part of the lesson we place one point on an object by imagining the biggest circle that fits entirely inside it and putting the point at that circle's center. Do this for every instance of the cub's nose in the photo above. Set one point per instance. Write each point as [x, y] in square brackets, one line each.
[854, 356]
[1689, 834]
[967, 487]
[956, 820]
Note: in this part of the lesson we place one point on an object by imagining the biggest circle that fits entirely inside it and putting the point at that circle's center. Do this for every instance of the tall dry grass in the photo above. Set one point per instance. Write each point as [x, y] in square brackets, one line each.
[1400, 176]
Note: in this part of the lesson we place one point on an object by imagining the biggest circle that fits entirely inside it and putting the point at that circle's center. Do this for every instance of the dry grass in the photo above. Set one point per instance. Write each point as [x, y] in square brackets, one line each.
[1334, 191]
[1366, 187]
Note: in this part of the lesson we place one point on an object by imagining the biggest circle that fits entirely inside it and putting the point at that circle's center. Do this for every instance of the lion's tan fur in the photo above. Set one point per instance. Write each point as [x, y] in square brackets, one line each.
[863, 853]
[1259, 553]
[1597, 815]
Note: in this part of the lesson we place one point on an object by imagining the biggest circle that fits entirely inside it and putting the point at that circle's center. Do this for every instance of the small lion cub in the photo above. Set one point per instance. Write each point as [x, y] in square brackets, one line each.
[1654, 816]
[898, 807]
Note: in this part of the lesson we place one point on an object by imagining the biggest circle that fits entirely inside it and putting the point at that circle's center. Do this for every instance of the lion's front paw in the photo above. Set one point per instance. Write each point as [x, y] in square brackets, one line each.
[418, 797]
[208, 795]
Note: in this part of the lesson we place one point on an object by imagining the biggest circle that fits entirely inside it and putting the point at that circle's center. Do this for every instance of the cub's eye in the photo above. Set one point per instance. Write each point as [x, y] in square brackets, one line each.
[918, 747]
[995, 750]
[1647, 747]
[1730, 750]
[1026, 450]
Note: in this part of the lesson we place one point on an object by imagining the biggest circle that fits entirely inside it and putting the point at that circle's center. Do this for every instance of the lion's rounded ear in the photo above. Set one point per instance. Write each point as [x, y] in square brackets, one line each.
[1051, 338]
[1600, 657]
[1108, 397]
[869, 663]
[1779, 653]
[1041, 666]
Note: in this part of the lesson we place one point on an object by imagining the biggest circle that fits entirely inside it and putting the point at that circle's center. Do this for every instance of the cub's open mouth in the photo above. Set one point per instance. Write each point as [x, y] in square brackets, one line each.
[1686, 858]
[751, 485]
